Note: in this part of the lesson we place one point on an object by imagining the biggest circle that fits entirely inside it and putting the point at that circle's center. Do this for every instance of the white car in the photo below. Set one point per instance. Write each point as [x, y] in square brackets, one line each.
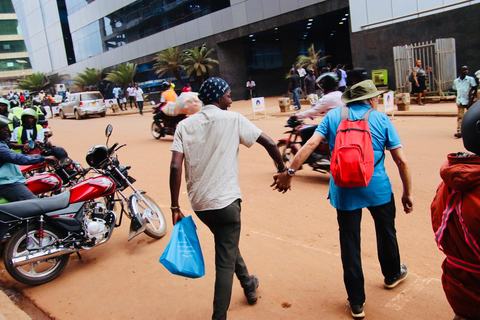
[82, 104]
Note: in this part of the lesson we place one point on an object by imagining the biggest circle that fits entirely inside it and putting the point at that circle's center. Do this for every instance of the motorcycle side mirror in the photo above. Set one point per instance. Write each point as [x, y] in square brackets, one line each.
[108, 131]
[65, 162]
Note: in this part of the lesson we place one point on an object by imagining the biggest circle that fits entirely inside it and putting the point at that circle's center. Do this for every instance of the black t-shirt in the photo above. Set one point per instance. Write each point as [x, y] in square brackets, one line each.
[310, 83]
[295, 81]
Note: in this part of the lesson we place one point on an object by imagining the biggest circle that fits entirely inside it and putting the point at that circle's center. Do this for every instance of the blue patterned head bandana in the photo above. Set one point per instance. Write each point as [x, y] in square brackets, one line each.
[212, 90]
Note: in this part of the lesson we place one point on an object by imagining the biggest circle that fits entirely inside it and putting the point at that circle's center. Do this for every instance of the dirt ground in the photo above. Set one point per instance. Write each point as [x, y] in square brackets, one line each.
[290, 241]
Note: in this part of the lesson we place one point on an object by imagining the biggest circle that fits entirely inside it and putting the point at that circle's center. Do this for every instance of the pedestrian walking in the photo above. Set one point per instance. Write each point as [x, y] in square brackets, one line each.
[131, 96]
[294, 86]
[310, 87]
[466, 88]
[377, 196]
[139, 98]
[208, 142]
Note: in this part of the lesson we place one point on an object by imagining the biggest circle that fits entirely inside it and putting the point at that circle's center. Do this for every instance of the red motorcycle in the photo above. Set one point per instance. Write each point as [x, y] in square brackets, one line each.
[41, 184]
[319, 160]
[44, 232]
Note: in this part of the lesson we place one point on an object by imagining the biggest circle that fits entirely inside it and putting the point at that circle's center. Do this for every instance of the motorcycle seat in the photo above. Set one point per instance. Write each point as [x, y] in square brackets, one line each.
[34, 207]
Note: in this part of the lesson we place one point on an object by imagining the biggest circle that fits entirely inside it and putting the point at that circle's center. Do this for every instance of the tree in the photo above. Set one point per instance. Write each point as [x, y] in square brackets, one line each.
[90, 77]
[311, 61]
[123, 75]
[34, 82]
[197, 61]
[169, 61]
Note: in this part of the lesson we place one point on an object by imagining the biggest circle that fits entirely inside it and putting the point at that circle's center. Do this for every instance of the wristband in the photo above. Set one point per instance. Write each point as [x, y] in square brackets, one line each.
[174, 208]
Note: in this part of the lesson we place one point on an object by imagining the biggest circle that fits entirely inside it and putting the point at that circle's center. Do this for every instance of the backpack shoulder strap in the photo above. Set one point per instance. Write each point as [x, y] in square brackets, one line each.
[345, 112]
[367, 114]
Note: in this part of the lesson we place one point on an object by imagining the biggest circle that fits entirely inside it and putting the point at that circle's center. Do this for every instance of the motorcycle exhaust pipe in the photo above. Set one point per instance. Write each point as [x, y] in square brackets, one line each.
[31, 258]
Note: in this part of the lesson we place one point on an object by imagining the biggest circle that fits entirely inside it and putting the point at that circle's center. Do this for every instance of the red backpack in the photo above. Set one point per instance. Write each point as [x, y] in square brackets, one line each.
[352, 162]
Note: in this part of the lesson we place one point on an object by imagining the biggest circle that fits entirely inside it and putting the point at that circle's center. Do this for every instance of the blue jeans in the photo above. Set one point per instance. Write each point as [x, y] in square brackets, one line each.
[225, 225]
[296, 97]
[387, 247]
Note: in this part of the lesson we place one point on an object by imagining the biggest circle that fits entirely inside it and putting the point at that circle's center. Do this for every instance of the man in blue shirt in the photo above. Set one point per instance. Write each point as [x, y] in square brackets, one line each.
[377, 197]
[12, 182]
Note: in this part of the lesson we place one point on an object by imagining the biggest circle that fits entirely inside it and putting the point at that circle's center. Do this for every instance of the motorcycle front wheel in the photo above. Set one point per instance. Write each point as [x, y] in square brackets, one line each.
[151, 212]
[156, 131]
[288, 153]
[38, 272]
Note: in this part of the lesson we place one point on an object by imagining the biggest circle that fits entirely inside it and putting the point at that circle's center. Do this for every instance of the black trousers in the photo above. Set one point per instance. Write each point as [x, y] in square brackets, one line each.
[225, 225]
[131, 100]
[387, 247]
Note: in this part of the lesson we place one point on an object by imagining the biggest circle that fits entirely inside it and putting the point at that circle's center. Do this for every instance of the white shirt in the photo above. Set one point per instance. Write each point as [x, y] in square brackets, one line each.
[301, 72]
[116, 91]
[138, 92]
[15, 134]
[130, 91]
[209, 141]
[328, 102]
[250, 84]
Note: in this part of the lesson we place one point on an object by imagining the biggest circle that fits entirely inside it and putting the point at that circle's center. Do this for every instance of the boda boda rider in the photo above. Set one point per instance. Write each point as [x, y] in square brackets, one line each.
[5, 111]
[332, 98]
[168, 95]
[12, 181]
[377, 197]
[28, 131]
[455, 214]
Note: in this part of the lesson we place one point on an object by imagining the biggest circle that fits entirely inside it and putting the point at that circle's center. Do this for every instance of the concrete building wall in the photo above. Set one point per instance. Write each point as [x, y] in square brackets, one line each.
[373, 48]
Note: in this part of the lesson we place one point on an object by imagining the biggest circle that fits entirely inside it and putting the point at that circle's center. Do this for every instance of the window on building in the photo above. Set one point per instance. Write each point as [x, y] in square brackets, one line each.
[9, 27]
[12, 46]
[6, 6]
[14, 64]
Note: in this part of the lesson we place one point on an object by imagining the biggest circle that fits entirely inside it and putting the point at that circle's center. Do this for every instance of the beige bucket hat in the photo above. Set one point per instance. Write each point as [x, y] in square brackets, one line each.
[361, 91]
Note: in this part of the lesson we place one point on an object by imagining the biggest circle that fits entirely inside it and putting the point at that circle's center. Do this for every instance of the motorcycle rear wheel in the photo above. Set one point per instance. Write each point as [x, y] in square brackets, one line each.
[156, 134]
[156, 223]
[39, 272]
[288, 153]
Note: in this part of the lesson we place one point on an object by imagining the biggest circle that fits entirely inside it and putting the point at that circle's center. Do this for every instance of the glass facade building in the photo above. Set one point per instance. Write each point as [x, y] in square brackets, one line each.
[14, 61]
[138, 20]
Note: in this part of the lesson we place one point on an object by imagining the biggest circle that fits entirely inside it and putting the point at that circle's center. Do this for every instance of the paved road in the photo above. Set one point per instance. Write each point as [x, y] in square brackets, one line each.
[290, 241]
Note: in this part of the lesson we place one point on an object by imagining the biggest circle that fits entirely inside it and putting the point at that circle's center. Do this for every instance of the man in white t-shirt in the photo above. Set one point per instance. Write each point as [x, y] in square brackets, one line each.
[209, 142]
[138, 93]
[131, 96]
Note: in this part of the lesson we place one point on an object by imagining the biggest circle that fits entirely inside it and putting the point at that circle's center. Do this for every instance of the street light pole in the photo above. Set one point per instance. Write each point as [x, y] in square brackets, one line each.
[22, 63]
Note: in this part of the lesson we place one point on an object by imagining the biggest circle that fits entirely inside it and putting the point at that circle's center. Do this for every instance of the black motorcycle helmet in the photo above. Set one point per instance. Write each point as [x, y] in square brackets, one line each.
[471, 129]
[96, 155]
[164, 86]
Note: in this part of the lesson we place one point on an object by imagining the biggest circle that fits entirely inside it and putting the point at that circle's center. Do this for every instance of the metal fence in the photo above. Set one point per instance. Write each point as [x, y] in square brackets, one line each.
[438, 59]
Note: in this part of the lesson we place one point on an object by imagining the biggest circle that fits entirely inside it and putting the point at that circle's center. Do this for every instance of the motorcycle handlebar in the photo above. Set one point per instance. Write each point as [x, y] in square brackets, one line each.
[112, 148]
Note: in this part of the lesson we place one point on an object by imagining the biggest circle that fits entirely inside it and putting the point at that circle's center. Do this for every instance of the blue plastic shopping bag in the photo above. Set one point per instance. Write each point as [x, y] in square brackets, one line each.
[183, 255]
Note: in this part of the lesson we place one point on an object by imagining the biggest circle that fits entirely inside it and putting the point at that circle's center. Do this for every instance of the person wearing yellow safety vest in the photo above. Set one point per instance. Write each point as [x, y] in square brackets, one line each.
[5, 111]
[28, 131]
[12, 182]
[16, 109]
